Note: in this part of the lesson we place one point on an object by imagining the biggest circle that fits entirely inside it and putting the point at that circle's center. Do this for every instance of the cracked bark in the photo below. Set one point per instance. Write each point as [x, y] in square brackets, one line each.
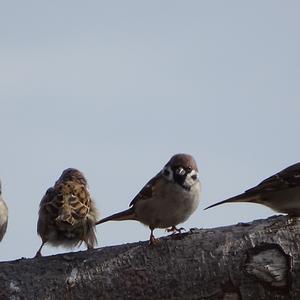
[258, 260]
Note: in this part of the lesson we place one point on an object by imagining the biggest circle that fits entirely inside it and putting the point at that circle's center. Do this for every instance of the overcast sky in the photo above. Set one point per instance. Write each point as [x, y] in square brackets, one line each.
[115, 88]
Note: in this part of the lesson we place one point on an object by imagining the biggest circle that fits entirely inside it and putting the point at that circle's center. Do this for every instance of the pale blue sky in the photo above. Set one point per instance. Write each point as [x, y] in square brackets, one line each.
[115, 88]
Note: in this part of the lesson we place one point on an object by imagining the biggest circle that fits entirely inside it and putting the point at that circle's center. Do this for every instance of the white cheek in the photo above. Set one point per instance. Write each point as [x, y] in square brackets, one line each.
[189, 181]
[167, 173]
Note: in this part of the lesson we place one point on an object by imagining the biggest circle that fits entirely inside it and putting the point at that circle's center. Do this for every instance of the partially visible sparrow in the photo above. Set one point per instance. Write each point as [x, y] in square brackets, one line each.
[280, 192]
[168, 199]
[3, 215]
[67, 213]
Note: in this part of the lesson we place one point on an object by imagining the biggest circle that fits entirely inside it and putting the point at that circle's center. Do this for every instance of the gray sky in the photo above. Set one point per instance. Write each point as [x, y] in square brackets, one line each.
[115, 88]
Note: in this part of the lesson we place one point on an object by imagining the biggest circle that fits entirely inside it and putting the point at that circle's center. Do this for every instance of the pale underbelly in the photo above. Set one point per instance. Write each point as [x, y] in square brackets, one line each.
[164, 215]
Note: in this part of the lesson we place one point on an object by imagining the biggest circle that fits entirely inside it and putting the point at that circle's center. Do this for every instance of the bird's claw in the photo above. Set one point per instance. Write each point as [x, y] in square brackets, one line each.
[175, 230]
[152, 241]
[38, 254]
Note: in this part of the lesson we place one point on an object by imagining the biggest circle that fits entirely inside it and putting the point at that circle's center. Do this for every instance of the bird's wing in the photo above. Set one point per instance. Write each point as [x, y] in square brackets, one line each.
[3, 230]
[147, 191]
[48, 204]
[129, 214]
[287, 178]
[68, 202]
[74, 202]
[47, 212]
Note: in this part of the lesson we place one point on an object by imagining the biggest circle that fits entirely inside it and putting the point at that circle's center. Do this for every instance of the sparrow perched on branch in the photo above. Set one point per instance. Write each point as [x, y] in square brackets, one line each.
[168, 199]
[3, 215]
[67, 213]
[280, 192]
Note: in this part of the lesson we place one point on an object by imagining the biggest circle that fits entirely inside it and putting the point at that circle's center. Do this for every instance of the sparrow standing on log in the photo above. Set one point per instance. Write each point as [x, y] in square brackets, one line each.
[168, 199]
[67, 213]
[3, 215]
[280, 192]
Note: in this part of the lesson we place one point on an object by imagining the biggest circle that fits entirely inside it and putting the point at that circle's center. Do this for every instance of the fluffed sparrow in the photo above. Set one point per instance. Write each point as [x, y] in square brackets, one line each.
[67, 213]
[168, 199]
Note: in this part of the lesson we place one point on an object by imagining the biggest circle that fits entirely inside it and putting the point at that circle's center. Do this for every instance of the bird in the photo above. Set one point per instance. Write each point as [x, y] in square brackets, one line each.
[3, 215]
[67, 213]
[168, 199]
[280, 192]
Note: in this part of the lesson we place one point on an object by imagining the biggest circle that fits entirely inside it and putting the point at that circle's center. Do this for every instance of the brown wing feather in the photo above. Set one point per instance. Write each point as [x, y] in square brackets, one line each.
[75, 202]
[287, 178]
[146, 191]
[68, 207]
[47, 213]
[3, 230]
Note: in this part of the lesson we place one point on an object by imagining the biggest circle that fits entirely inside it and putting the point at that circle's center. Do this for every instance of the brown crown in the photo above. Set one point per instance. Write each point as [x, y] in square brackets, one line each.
[71, 174]
[183, 160]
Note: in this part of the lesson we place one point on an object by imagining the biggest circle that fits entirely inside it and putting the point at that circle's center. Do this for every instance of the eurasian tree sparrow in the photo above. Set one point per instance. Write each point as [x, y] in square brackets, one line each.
[3, 215]
[280, 192]
[67, 213]
[168, 199]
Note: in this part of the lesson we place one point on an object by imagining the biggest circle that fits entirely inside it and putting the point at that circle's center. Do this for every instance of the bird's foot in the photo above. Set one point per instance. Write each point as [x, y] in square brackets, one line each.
[293, 221]
[175, 230]
[38, 254]
[89, 247]
[152, 241]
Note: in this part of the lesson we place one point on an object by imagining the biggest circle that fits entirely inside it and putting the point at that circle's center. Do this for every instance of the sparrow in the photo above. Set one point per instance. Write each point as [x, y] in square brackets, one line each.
[168, 199]
[67, 213]
[3, 215]
[280, 192]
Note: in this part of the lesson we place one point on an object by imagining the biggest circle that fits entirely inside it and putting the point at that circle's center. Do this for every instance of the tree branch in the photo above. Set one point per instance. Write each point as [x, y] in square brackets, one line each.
[258, 260]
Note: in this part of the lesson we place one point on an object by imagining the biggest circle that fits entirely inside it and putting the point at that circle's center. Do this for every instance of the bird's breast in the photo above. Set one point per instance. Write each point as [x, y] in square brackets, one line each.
[285, 201]
[169, 206]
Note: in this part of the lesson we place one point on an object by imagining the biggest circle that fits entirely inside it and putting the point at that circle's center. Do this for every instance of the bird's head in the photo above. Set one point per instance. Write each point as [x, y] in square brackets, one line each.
[71, 174]
[182, 169]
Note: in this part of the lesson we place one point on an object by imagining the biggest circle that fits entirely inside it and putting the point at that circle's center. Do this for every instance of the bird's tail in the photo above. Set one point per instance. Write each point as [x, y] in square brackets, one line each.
[127, 214]
[239, 198]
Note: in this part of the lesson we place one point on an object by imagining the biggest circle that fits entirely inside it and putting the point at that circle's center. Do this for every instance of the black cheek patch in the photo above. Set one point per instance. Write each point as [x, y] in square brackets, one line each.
[179, 179]
[194, 177]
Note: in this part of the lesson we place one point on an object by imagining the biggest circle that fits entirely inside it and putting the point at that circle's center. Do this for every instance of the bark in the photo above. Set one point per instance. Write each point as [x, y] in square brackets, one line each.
[258, 260]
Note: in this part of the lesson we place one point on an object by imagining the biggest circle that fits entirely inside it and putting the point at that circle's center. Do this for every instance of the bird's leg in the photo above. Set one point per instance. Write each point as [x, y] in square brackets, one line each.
[39, 254]
[152, 240]
[175, 230]
[89, 246]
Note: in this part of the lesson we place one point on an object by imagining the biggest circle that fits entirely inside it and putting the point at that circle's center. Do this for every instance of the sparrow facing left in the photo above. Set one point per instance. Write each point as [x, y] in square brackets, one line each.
[168, 199]
[280, 192]
[3, 215]
[67, 213]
